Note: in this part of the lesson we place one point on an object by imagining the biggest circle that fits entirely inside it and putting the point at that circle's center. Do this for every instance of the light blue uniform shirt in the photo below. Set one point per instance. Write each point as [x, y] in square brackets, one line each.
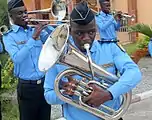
[25, 51]
[150, 47]
[1, 47]
[101, 54]
[107, 26]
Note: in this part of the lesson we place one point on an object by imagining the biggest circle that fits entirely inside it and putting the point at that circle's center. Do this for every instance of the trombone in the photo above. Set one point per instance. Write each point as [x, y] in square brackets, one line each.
[58, 10]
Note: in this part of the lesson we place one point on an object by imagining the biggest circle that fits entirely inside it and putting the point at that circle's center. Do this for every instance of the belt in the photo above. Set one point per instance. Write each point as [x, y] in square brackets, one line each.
[39, 81]
[110, 40]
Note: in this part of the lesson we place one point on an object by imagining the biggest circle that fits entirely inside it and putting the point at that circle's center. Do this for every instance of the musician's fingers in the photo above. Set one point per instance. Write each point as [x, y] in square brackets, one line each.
[92, 103]
[68, 91]
[34, 22]
[70, 78]
[64, 85]
[87, 99]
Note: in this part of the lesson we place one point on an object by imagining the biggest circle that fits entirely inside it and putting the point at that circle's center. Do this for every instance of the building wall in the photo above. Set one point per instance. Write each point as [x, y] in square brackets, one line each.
[144, 9]
[120, 5]
[30, 4]
[45, 4]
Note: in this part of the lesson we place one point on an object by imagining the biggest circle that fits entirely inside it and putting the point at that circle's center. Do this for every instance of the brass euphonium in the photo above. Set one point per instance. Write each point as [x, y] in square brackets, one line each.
[57, 49]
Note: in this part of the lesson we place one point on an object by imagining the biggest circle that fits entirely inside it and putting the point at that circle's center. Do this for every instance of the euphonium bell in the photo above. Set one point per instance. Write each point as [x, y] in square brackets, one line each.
[57, 49]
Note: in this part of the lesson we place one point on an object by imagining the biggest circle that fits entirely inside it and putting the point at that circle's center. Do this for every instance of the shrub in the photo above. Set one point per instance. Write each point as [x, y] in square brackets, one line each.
[142, 42]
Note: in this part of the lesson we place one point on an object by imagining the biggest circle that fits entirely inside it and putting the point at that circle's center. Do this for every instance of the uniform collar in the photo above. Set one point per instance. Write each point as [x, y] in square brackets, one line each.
[94, 46]
[104, 14]
[16, 28]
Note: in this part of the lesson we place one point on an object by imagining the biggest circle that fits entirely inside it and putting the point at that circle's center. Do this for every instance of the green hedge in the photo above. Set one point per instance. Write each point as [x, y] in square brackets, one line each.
[8, 79]
[3, 13]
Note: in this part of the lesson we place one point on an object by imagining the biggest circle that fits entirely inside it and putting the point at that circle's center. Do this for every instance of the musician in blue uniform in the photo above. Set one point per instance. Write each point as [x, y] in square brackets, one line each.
[107, 24]
[105, 54]
[24, 44]
[150, 47]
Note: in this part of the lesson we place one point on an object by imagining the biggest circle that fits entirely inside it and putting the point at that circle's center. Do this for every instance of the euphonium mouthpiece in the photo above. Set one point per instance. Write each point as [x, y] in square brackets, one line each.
[87, 46]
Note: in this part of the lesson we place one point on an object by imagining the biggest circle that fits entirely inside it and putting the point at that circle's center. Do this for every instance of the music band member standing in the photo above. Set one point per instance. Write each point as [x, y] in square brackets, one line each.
[24, 44]
[107, 24]
[83, 30]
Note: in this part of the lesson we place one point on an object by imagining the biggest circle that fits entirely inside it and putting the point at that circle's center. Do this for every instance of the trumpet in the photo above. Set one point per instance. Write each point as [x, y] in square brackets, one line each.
[63, 52]
[3, 29]
[124, 16]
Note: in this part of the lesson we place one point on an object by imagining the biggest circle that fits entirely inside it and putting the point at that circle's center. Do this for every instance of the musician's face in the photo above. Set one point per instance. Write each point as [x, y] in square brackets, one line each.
[105, 6]
[19, 15]
[83, 34]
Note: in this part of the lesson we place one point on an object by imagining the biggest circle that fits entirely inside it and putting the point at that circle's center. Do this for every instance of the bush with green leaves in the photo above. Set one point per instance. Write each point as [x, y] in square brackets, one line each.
[3, 13]
[8, 80]
[10, 110]
[144, 29]
[142, 42]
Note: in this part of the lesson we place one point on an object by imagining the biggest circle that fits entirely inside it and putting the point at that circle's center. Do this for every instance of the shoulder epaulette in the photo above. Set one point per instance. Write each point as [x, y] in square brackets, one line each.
[120, 46]
[7, 32]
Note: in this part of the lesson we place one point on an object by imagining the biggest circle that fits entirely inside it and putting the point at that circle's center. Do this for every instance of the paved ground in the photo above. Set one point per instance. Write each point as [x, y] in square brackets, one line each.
[143, 109]
[137, 111]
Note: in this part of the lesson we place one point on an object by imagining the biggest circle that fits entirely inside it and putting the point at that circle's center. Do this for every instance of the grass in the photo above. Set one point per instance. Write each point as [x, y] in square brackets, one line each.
[9, 110]
[130, 48]
[3, 58]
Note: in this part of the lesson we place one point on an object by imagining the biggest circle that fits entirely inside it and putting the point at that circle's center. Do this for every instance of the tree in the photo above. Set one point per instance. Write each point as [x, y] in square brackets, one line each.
[3, 13]
[143, 42]
[142, 28]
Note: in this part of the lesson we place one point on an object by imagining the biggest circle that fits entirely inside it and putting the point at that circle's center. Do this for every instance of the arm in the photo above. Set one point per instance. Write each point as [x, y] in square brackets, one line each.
[49, 92]
[130, 73]
[17, 55]
[150, 48]
[102, 26]
[117, 24]
[118, 20]
[1, 47]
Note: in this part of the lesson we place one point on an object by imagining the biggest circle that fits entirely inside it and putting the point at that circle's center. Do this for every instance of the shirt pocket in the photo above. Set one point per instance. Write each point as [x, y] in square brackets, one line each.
[21, 43]
[37, 47]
